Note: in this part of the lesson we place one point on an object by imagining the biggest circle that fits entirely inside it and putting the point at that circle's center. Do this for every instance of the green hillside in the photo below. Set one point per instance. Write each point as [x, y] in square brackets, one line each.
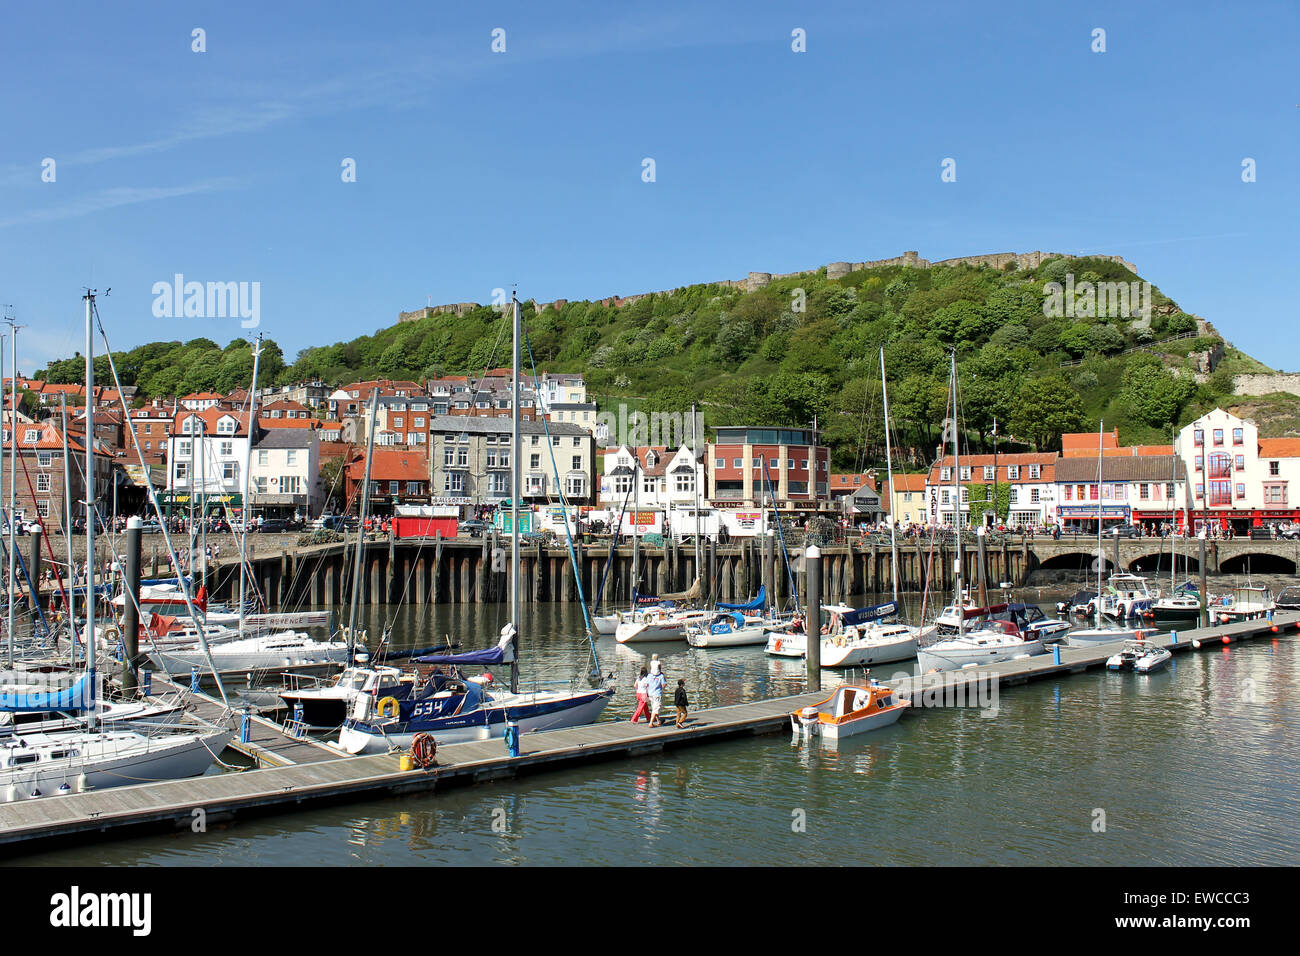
[775, 357]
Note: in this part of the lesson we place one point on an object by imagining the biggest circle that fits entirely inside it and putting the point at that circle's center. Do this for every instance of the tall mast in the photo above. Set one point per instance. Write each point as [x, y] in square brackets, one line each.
[1101, 551]
[514, 494]
[956, 504]
[13, 457]
[361, 526]
[889, 470]
[67, 529]
[243, 498]
[636, 538]
[89, 632]
[695, 441]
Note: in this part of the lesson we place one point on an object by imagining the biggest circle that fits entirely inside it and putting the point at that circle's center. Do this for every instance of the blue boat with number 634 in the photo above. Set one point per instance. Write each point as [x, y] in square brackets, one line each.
[453, 709]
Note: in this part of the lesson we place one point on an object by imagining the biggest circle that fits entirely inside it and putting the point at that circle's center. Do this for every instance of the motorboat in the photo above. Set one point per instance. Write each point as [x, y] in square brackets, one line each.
[851, 709]
[328, 703]
[1183, 606]
[1288, 598]
[1127, 596]
[452, 709]
[1102, 634]
[1247, 601]
[987, 642]
[1142, 657]
[1083, 603]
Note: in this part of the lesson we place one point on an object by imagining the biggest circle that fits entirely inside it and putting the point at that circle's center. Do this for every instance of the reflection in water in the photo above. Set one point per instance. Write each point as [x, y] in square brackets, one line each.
[1194, 765]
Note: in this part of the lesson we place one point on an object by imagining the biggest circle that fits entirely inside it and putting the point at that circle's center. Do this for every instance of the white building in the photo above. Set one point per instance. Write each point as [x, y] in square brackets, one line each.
[668, 481]
[1236, 478]
[1032, 490]
[206, 451]
[284, 475]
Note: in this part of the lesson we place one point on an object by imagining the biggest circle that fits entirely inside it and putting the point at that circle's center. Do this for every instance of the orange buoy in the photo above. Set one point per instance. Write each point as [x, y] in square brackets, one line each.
[1227, 639]
[1273, 628]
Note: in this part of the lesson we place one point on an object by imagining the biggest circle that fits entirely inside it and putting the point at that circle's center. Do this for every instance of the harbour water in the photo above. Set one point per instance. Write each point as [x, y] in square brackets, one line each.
[1191, 766]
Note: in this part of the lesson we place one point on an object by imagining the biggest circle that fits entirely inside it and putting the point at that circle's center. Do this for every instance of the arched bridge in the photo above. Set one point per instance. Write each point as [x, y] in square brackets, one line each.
[1235, 556]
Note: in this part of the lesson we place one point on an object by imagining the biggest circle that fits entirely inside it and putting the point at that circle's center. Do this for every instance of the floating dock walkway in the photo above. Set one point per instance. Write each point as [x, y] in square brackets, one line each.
[314, 773]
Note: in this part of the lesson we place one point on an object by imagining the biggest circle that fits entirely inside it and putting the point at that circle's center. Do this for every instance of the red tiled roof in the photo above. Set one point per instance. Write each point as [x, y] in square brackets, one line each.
[390, 464]
[1279, 447]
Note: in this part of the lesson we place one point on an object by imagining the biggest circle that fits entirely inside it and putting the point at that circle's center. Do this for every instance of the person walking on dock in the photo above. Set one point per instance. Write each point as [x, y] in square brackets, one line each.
[657, 682]
[655, 664]
[642, 697]
[681, 702]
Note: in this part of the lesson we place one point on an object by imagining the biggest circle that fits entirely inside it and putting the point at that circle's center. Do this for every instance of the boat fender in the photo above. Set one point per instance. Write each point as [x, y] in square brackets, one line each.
[388, 707]
[778, 643]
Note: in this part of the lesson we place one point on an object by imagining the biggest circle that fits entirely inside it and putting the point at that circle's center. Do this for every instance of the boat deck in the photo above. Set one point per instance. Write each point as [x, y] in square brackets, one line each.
[319, 774]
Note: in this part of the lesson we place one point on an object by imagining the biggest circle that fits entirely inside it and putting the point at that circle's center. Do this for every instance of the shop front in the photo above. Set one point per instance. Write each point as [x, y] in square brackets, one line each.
[1082, 519]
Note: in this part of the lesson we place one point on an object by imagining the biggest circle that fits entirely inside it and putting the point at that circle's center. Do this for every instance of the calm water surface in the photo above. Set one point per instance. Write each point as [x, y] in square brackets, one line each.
[1193, 766]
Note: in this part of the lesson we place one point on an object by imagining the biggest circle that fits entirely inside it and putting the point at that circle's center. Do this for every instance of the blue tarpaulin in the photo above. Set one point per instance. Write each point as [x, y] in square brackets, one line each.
[753, 605]
[78, 696]
[491, 655]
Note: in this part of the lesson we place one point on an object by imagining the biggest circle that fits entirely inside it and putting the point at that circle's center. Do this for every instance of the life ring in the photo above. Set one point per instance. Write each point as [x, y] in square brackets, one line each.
[778, 643]
[424, 750]
[389, 707]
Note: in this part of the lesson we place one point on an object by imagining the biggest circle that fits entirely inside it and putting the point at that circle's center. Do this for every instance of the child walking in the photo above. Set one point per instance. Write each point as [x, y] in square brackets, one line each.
[642, 698]
[679, 699]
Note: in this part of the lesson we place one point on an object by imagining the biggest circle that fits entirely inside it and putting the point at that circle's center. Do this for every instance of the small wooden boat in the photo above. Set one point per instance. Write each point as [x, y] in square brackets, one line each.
[851, 709]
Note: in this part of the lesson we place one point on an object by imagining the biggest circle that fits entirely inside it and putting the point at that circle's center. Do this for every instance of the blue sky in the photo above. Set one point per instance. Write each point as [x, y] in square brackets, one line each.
[478, 170]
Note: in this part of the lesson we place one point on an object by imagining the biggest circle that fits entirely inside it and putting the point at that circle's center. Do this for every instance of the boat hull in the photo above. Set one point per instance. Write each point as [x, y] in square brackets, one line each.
[534, 713]
[951, 659]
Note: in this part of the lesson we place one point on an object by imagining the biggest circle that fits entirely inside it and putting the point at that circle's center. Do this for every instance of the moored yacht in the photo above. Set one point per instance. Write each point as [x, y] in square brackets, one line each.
[988, 642]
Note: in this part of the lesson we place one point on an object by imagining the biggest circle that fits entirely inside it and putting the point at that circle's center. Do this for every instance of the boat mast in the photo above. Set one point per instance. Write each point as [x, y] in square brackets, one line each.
[89, 299]
[889, 471]
[514, 494]
[956, 504]
[13, 473]
[636, 507]
[248, 466]
[1101, 551]
[695, 442]
[67, 532]
[361, 527]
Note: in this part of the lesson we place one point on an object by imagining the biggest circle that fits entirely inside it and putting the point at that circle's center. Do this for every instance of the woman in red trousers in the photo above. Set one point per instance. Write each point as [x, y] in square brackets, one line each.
[642, 697]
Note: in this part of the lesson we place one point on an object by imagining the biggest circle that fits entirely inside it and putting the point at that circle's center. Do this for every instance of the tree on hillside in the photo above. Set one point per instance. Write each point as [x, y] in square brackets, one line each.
[1152, 394]
[1045, 409]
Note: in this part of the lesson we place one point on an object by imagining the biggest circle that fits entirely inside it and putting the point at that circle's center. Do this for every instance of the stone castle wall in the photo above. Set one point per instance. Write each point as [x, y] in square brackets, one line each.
[835, 270]
[1266, 384]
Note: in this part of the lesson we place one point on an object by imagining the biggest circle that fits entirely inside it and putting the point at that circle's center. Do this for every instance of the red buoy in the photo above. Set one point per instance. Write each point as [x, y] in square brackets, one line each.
[1227, 639]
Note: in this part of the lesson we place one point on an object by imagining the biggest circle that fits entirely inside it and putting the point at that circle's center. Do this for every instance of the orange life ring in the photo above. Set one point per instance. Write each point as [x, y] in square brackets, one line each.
[424, 751]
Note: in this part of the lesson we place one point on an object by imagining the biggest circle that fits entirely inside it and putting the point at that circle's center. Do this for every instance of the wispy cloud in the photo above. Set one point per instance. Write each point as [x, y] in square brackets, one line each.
[112, 198]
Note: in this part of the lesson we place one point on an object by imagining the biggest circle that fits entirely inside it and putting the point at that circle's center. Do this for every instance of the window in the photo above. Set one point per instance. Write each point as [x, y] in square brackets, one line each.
[945, 474]
[1066, 493]
[758, 463]
[535, 461]
[737, 463]
[229, 471]
[803, 463]
[1218, 436]
[965, 495]
[1033, 495]
[453, 481]
[1241, 463]
[719, 463]
[291, 457]
[576, 486]
[397, 421]
[43, 509]
[1200, 463]
[1275, 468]
[462, 457]
[1241, 491]
[1144, 492]
[499, 483]
[45, 458]
[1275, 493]
[263, 457]
[577, 441]
[259, 484]
[419, 421]
[290, 484]
[965, 473]
[227, 449]
[42, 482]
[1169, 490]
[1013, 472]
[226, 426]
[182, 471]
[943, 496]
[555, 441]
[534, 441]
[183, 448]
[685, 483]
[1237, 437]
[988, 472]
[577, 463]
[31, 435]
[449, 457]
[1015, 495]
[1035, 472]
[1198, 437]
[1093, 492]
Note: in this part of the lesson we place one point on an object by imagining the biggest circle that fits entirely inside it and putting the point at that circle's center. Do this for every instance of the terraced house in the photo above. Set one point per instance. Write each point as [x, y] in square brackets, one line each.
[1236, 479]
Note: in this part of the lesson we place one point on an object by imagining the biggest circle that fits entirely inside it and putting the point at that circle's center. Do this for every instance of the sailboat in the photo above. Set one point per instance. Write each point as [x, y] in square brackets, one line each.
[48, 763]
[450, 708]
[988, 642]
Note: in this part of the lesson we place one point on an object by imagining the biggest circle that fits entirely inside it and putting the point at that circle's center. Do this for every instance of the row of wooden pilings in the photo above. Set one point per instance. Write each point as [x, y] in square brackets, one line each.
[437, 570]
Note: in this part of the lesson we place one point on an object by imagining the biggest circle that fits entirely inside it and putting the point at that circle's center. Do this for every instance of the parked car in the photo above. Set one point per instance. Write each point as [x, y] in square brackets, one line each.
[150, 527]
[1125, 531]
[1290, 532]
[273, 526]
[472, 528]
[334, 523]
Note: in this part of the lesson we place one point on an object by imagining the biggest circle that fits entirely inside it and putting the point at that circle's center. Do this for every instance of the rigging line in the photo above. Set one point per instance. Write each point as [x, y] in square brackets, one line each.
[49, 545]
[613, 543]
[794, 587]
